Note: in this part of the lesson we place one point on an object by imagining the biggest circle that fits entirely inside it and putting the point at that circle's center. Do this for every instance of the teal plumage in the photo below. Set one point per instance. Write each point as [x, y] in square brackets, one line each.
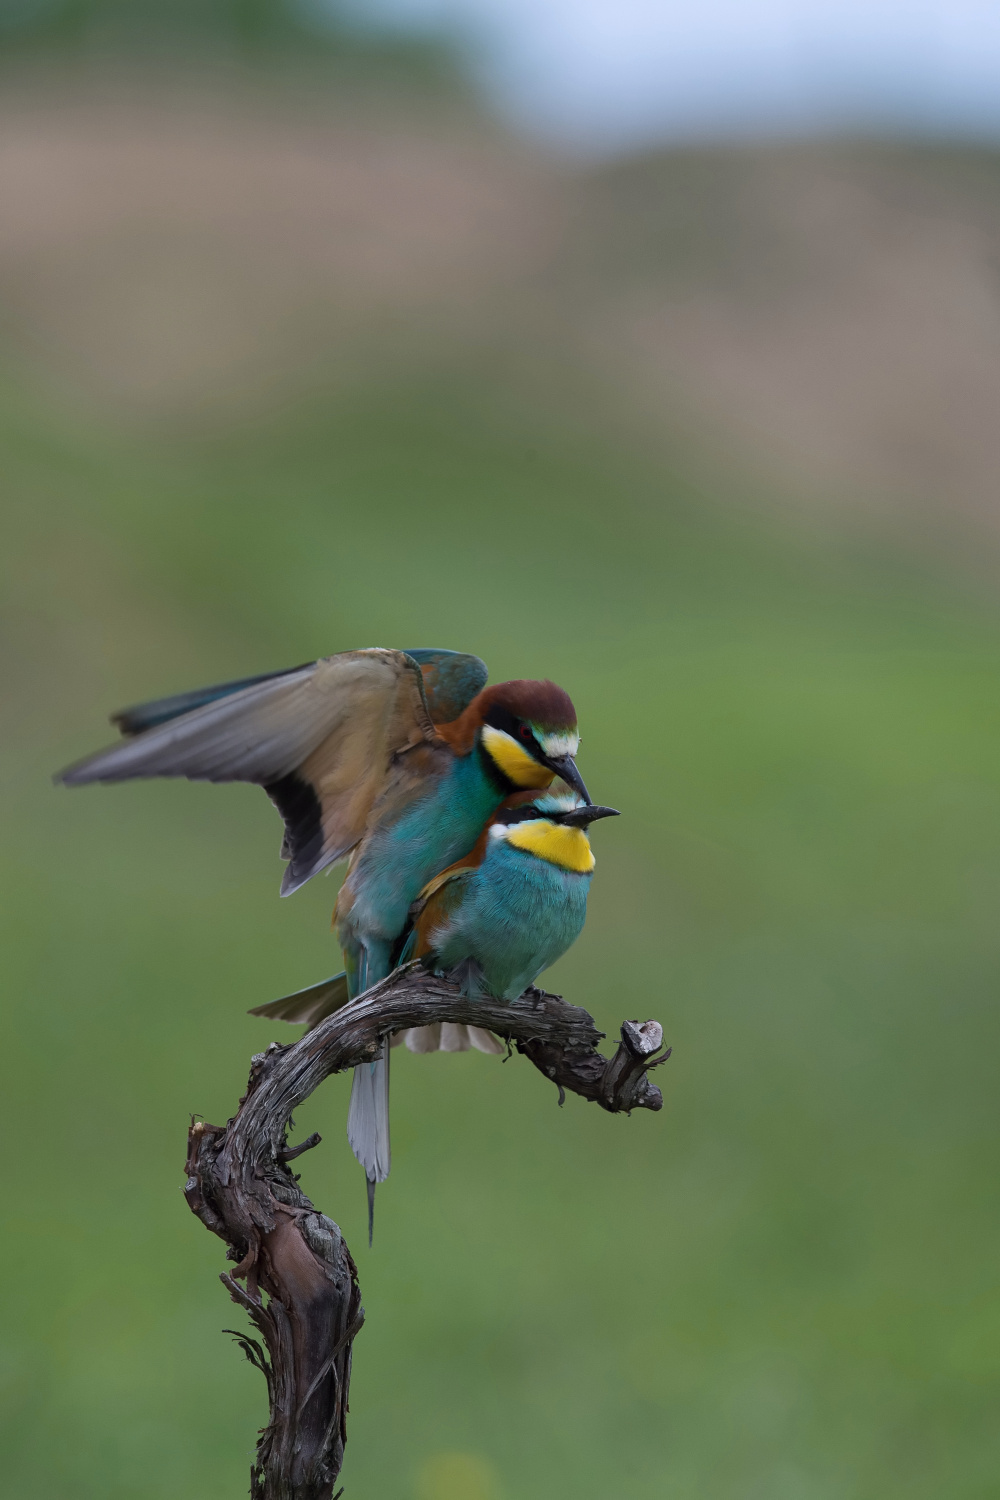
[419, 831]
[511, 918]
[502, 916]
[403, 851]
[399, 856]
[495, 919]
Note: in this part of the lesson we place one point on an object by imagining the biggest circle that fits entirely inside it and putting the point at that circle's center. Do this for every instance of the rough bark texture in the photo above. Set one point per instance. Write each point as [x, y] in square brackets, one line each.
[299, 1283]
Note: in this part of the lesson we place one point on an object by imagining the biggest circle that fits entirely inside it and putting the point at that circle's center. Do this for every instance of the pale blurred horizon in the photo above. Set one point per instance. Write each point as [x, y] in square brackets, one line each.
[606, 76]
[821, 319]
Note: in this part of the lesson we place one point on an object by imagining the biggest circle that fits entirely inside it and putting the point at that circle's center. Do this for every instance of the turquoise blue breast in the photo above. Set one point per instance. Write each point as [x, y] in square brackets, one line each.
[517, 915]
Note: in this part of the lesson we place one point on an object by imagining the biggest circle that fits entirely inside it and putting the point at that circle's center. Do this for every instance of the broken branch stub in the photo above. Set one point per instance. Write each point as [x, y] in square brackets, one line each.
[294, 1273]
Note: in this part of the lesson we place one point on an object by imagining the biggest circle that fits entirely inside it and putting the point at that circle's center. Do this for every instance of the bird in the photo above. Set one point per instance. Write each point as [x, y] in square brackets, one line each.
[497, 918]
[395, 759]
[518, 894]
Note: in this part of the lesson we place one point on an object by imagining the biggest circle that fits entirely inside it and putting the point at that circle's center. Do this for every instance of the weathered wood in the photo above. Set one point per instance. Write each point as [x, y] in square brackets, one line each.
[299, 1282]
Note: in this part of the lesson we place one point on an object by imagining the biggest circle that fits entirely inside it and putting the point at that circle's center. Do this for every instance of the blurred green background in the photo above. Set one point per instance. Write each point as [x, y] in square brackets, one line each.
[299, 353]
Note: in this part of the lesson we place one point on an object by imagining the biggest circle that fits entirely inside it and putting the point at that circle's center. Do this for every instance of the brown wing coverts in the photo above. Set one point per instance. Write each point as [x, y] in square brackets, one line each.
[320, 740]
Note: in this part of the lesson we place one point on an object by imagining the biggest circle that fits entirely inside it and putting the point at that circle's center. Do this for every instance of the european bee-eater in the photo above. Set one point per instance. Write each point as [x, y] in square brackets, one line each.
[495, 919]
[395, 758]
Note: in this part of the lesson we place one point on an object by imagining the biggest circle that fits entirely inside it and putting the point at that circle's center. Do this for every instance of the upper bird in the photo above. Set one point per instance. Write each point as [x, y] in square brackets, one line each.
[396, 758]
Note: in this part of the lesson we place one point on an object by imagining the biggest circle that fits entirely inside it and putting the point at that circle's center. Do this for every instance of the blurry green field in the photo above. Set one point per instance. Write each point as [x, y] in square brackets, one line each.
[784, 1286]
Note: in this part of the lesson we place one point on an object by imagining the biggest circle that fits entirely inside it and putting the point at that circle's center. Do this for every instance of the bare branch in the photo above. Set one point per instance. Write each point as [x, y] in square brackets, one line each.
[301, 1289]
[291, 1152]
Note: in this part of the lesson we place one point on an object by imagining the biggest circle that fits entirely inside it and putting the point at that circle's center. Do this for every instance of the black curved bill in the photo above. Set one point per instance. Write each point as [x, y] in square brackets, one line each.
[582, 817]
[565, 766]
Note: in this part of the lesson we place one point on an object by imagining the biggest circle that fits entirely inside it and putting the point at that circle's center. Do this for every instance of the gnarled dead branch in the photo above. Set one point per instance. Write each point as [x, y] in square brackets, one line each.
[294, 1273]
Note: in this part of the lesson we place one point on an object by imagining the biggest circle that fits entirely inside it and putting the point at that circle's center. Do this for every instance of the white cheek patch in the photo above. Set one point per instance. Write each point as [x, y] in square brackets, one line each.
[557, 745]
[499, 830]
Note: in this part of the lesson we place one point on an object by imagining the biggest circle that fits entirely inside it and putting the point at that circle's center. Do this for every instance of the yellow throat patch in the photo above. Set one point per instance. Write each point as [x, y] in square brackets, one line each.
[516, 764]
[567, 847]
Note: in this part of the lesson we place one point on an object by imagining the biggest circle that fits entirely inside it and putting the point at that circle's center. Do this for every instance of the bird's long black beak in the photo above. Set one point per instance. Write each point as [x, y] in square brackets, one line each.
[565, 766]
[582, 817]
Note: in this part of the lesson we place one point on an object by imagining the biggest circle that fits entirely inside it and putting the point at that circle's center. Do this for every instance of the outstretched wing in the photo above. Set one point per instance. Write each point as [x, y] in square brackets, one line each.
[142, 716]
[451, 681]
[320, 740]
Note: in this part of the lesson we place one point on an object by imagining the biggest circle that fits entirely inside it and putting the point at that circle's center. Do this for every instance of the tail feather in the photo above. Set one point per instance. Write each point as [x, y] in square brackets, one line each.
[424, 1038]
[485, 1041]
[307, 1006]
[368, 1123]
[371, 1210]
[454, 1037]
[451, 1036]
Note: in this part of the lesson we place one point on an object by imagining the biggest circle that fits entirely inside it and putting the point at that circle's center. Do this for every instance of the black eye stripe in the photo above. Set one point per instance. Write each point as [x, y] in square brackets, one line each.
[524, 814]
[502, 718]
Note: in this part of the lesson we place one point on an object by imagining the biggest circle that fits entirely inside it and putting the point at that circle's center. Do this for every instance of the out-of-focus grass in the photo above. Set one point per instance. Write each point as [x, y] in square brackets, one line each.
[784, 1286]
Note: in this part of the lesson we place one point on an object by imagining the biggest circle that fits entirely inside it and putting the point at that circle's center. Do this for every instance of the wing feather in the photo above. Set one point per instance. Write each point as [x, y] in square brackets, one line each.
[321, 741]
[451, 680]
[309, 1006]
[147, 715]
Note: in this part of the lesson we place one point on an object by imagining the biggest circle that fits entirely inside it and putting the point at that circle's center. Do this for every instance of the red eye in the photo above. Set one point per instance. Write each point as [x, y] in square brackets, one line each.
[525, 732]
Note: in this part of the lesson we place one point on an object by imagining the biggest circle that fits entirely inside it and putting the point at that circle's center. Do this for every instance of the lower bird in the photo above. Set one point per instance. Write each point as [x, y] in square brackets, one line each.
[494, 920]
